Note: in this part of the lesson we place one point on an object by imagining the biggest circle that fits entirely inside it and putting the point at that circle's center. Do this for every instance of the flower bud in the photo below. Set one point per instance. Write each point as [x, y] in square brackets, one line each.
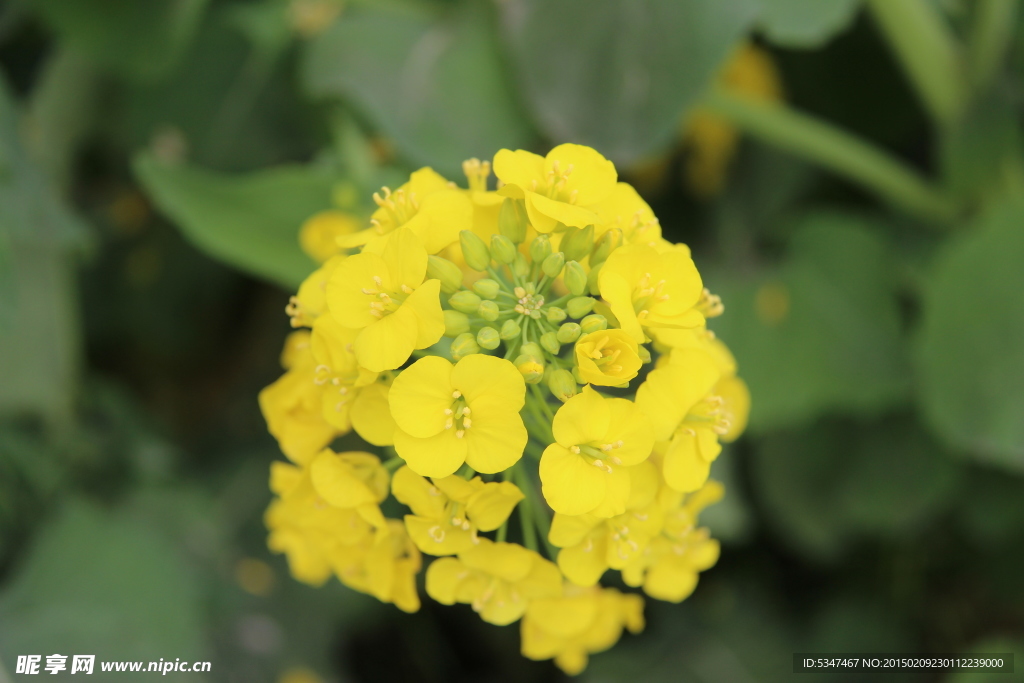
[594, 323]
[575, 278]
[549, 340]
[455, 323]
[562, 384]
[488, 310]
[645, 355]
[465, 301]
[447, 272]
[486, 288]
[520, 266]
[502, 249]
[605, 245]
[555, 314]
[512, 220]
[576, 375]
[464, 345]
[474, 250]
[540, 248]
[577, 243]
[580, 306]
[593, 284]
[531, 349]
[531, 368]
[553, 264]
[569, 332]
[488, 338]
[510, 329]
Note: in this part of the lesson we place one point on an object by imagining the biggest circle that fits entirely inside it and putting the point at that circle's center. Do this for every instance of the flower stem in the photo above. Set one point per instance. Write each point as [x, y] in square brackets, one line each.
[392, 464]
[991, 35]
[836, 150]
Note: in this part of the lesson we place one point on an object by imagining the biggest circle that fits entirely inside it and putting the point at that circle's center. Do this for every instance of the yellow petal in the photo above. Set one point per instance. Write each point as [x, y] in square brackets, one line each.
[436, 456]
[496, 440]
[584, 564]
[582, 419]
[571, 485]
[593, 177]
[336, 481]
[489, 507]
[388, 342]
[684, 469]
[420, 395]
[507, 561]
[371, 416]
[570, 530]
[442, 216]
[435, 538]
[443, 579]
[565, 617]
[458, 489]
[618, 292]
[422, 497]
[406, 259]
[345, 297]
[489, 381]
[616, 494]
[425, 302]
[557, 212]
[736, 402]
[669, 582]
[519, 168]
[627, 424]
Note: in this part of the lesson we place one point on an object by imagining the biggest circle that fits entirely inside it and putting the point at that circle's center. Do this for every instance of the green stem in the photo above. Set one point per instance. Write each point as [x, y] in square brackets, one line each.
[991, 35]
[502, 532]
[393, 464]
[539, 517]
[836, 150]
[928, 51]
[526, 511]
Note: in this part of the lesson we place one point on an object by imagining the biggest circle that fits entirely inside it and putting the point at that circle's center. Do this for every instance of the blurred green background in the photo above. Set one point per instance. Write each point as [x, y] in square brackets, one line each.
[862, 216]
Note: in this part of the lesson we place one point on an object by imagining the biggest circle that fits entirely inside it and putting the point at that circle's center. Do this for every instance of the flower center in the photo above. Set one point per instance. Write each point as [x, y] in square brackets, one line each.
[383, 302]
[528, 301]
[555, 184]
[458, 415]
[647, 295]
[600, 456]
[400, 207]
[604, 357]
[477, 173]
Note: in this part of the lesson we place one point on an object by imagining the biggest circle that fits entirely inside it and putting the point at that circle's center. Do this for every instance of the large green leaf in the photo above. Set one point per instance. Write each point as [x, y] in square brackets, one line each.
[620, 75]
[104, 584]
[434, 84]
[136, 39]
[971, 353]
[820, 333]
[248, 221]
[805, 23]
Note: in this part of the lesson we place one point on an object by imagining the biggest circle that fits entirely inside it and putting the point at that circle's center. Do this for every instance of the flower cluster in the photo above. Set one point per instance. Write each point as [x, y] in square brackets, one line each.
[536, 349]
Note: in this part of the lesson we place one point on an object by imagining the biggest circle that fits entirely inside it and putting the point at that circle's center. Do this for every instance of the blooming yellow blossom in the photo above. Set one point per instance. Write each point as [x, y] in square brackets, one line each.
[386, 298]
[319, 235]
[563, 187]
[607, 357]
[648, 290]
[428, 206]
[596, 440]
[497, 579]
[448, 414]
[311, 300]
[625, 210]
[353, 480]
[448, 513]
[384, 566]
[577, 624]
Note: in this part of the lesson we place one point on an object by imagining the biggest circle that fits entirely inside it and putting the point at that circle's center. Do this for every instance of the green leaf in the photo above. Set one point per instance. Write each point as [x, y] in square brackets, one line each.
[806, 23]
[821, 332]
[135, 39]
[434, 84]
[249, 221]
[620, 75]
[106, 584]
[970, 358]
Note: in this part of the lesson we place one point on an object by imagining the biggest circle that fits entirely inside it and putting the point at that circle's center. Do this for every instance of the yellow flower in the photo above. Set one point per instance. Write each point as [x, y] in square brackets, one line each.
[607, 358]
[353, 480]
[319, 235]
[292, 406]
[427, 205]
[450, 414]
[646, 289]
[311, 300]
[448, 512]
[497, 579]
[670, 568]
[305, 527]
[625, 210]
[385, 297]
[384, 566]
[582, 622]
[562, 187]
[596, 440]
[352, 396]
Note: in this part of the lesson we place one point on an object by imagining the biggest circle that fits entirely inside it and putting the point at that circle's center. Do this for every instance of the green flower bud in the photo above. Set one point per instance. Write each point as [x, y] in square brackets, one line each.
[464, 345]
[577, 243]
[549, 340]
[488, 338]
[531, 368]
[488, 310]
[520, 266]
[486, 288]
[569, 332]
[593, 284]
[594, 323]
[553, 264]
[465, 301]
[576, 375]
[562, 384]
[512, 219]
[474, 250]
[455, 323]
[540, 248]
[447, 272]
[575, 278]
[510, 329]
[555, 314]
[608, 242]
[502, 249]
[580, 306]
[531, 349]
[645, 355]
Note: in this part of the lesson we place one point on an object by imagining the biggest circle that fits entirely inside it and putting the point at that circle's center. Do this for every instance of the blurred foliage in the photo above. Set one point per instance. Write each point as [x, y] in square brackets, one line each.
[157, 159]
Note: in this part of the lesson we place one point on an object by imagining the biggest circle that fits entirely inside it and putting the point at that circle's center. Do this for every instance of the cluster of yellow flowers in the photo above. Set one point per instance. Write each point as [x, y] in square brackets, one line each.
[467, 328]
